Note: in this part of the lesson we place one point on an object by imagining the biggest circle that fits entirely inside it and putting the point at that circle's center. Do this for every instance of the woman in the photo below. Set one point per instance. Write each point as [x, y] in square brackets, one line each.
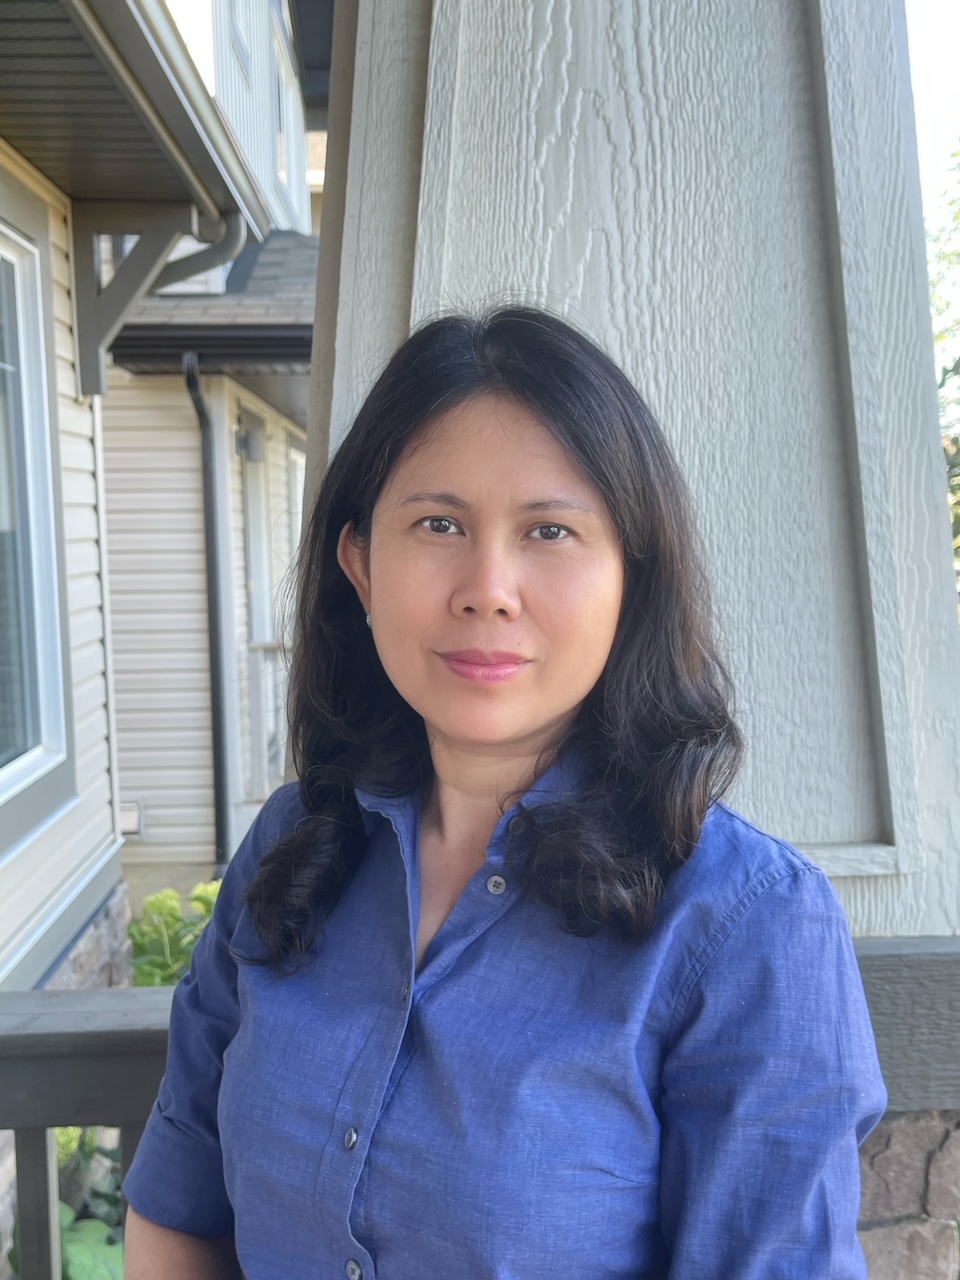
[500, 988]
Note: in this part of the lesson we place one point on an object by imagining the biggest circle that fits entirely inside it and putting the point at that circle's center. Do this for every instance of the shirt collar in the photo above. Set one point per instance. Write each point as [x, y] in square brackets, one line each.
[564, 778]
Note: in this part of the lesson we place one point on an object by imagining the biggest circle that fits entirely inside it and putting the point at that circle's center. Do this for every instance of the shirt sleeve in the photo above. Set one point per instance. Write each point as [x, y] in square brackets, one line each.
[176, 1176]
[770, 1083]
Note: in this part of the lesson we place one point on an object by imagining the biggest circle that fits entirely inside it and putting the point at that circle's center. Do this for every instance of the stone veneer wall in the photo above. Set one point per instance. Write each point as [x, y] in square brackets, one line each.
[910, 1167]
[101, 957]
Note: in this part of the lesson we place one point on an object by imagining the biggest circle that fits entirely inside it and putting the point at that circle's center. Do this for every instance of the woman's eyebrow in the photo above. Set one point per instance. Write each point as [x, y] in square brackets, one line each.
[556, 504]
[440, 498]
[444, 499]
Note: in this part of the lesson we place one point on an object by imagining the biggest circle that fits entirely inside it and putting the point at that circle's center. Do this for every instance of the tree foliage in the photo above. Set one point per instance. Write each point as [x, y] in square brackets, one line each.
[944, 267]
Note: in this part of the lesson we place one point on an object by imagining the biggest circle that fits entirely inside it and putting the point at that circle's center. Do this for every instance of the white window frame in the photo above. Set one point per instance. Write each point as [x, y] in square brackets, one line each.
[283, 80]
[263, 645]
[297, 487]
[285, 94]
[240, 34]
[39, 761]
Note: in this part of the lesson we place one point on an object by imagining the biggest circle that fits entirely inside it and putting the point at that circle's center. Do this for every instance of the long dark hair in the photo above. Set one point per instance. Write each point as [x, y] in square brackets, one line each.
[656, 733]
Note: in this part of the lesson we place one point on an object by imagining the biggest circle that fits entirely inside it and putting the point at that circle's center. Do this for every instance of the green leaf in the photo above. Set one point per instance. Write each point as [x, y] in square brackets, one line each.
[164, 937]
[91, 1251]
[68, 1143]
[204, 896]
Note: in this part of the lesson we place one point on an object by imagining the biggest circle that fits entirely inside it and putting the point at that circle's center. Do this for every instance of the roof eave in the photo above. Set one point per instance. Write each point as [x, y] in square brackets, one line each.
[138, 40]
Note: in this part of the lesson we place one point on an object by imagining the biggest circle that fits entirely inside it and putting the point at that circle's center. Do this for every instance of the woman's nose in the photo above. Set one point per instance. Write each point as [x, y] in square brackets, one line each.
[488, 585]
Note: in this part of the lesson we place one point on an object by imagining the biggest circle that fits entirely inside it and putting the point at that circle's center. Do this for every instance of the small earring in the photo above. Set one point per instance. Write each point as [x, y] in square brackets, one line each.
[369, 621]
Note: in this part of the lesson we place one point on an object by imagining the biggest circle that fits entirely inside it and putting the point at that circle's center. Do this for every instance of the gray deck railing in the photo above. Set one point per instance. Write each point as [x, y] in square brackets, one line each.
[73, 1058]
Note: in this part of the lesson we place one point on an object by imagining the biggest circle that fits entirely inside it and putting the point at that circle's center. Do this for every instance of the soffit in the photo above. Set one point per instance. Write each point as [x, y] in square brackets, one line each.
[313, 37]
[104, 100]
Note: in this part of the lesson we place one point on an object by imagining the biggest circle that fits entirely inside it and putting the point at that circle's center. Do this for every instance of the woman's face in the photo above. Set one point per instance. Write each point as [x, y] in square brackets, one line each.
[494, 577]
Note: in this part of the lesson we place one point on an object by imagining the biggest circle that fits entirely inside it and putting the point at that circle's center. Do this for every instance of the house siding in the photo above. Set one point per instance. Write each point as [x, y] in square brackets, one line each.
[730, 210]
[233, 47]
[280, 432]
[160, 639]
[245, 89]
[241, 622]
[52, 883]
[155, 513]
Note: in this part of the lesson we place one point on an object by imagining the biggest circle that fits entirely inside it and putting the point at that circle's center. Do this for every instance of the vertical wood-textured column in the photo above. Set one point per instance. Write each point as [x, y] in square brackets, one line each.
[371, 191]
[721, 195]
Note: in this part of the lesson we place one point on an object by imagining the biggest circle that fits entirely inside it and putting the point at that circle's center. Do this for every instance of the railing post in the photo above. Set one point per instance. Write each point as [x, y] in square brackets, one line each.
[38, 1204]
[93, 1057]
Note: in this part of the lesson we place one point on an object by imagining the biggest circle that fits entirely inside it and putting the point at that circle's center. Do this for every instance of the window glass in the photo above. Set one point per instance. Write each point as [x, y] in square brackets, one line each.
[240, 13]
[282, 114]
[19, 718]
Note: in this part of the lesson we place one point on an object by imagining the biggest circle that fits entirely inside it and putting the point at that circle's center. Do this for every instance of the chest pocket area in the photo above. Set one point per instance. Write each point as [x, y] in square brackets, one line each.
[276, 1098]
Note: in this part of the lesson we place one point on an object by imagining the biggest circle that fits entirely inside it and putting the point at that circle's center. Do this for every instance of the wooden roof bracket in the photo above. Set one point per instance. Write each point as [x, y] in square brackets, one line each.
[101, 310]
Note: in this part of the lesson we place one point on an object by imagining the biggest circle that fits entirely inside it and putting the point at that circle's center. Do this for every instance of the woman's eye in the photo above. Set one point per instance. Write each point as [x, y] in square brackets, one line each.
[551, 532]
[439, 524]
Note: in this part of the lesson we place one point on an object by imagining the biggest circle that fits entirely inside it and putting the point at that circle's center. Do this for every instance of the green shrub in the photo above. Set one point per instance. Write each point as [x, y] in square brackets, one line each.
[89, 1248]
[163, 939]
[164, 936]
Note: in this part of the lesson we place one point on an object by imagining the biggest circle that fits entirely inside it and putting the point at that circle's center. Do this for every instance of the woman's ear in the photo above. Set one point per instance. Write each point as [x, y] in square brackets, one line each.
[353, 557]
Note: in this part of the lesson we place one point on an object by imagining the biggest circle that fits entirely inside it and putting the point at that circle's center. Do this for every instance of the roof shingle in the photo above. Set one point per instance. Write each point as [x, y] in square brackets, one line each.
[270, 283]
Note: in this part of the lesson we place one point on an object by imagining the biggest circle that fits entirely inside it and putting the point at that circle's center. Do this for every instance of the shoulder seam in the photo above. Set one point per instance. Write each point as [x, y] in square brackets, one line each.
[724, 928]
[799, 859]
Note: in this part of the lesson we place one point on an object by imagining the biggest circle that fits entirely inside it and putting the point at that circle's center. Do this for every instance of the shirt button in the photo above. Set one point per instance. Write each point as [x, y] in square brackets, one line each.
[354, 1270]
[350, 1138]
[496, 884]
[405, 991]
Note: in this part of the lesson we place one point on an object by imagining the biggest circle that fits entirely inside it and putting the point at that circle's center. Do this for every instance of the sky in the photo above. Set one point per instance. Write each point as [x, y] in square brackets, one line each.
[933, 32]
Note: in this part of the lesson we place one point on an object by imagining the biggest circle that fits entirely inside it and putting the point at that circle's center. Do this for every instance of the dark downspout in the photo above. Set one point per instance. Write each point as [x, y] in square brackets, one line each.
[191, 371]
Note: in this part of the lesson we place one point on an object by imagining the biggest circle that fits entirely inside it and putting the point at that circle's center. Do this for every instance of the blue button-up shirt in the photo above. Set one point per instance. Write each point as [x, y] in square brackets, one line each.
[529, 1104]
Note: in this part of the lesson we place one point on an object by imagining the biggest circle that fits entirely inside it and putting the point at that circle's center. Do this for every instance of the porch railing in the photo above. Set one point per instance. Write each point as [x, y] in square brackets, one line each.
[73, 1058]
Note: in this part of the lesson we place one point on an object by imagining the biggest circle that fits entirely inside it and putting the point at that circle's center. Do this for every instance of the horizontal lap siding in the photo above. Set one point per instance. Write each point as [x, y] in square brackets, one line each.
[38, 883]
[154, 484]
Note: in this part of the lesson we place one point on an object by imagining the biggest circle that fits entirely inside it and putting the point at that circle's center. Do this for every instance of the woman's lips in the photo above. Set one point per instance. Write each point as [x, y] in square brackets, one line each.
[482, 667]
